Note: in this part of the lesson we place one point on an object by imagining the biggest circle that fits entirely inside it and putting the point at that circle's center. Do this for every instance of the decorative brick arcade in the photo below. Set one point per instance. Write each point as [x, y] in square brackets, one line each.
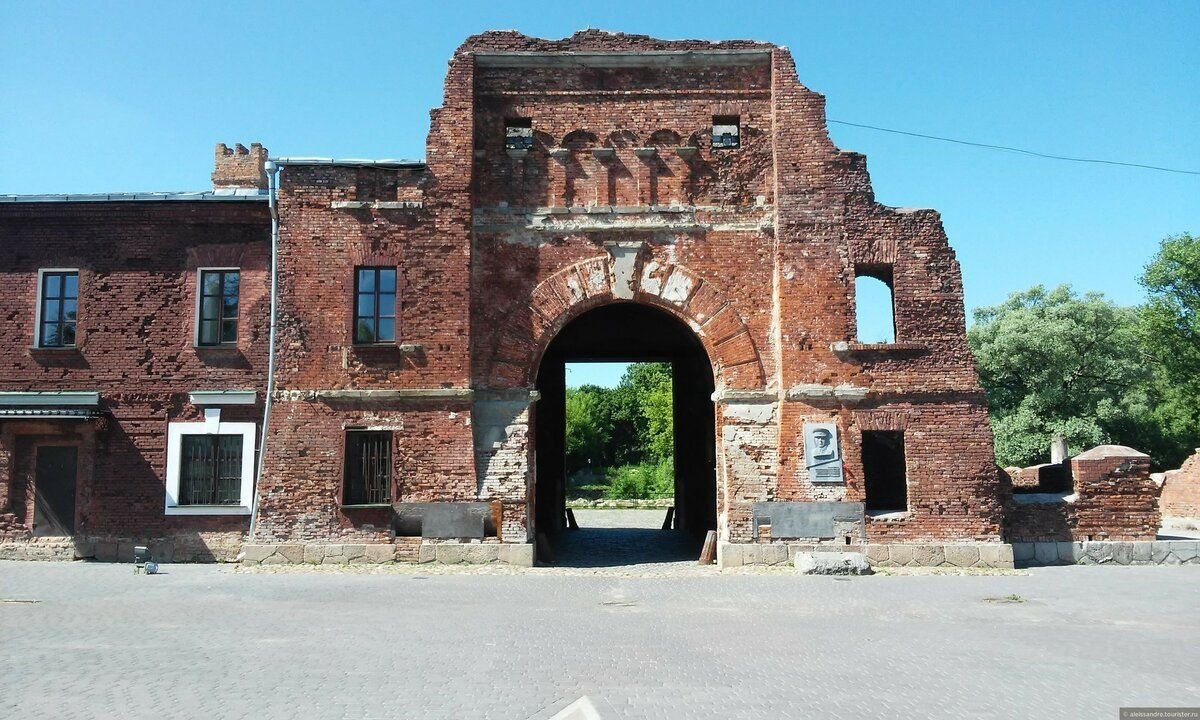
[605, 196]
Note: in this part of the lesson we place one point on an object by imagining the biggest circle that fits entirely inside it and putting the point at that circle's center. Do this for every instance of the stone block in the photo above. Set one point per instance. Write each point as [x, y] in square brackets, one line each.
[1099, 552]
[276, 559]
[997, 555]
[449, 553]
[125, 551]
[1066, 552]
[426, 553]
[1186, 550]
[928, 555]
[480, 554]
[353, 553]
[380, 553]
[314, 554]
[832, 563]
[962, 555]
[162, 552]
[774, 554]
[254, 554]
[1140, 553]
[1022, 552]
[878, 555]
[752, 554]
[335, 553]
[85, 549]
[1159, 550]
[517, 554]
[729, 554]
[1122, 553]
[901, 554]
[293, 553]
[1045, 553]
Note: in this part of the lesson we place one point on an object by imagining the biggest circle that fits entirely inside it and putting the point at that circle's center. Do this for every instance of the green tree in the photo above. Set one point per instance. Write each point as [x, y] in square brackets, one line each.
[1057, 362]
[1170, 330]
[649, 385]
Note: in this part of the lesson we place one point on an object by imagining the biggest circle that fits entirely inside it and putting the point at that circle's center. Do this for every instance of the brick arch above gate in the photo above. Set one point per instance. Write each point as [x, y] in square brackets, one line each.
[627, 274]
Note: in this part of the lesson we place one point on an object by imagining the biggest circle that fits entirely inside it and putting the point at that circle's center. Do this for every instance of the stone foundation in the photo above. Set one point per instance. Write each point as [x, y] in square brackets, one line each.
[518, 554]
[965, 555]
[192, 547]
[1156, 552]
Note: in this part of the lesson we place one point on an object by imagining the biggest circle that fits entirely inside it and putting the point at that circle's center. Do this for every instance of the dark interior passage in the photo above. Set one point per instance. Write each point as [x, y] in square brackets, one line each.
[629, 332]
[884, 471]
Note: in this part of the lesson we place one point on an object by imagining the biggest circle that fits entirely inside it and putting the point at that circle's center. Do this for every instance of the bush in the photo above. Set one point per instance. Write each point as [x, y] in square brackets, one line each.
[641, 482]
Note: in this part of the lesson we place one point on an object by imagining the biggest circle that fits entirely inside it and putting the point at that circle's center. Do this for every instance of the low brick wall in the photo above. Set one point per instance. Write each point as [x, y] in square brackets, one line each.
[961, 555]
[518, 554]
[1098, 552]
[1179, 497]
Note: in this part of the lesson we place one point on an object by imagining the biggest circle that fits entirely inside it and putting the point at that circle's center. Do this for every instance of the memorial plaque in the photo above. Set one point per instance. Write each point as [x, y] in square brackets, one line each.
[819, 520]
[822, 454]
[445, 520]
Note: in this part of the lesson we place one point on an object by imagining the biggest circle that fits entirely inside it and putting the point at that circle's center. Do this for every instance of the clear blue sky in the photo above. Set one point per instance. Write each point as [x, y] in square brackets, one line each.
[132, 96]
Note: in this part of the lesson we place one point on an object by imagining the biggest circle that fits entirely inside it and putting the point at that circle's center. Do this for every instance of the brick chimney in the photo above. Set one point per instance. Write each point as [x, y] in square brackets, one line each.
[239, 167]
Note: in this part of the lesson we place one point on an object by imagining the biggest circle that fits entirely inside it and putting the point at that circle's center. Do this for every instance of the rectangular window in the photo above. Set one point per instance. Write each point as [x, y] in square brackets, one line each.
[368, 479]
[884, 472]
[211, 470]
[726, 132]
[57, 305]
[375, 305]
[218, 321]
[518, 134]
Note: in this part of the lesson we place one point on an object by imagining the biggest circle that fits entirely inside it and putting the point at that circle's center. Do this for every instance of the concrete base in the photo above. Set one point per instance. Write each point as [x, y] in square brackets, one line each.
[1108, 552]
[373, 554]
[964, 555]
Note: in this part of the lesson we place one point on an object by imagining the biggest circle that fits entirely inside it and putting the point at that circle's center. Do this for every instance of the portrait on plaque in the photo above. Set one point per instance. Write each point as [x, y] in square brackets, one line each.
[822, 457]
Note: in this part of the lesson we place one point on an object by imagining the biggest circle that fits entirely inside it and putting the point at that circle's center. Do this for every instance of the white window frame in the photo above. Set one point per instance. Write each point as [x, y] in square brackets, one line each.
[200, 293]
[37, 308]
[175, 433]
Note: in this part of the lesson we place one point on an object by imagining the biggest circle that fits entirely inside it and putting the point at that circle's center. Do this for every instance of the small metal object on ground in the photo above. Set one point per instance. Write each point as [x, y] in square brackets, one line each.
[669, 518]
[708, 555]
[571, 520]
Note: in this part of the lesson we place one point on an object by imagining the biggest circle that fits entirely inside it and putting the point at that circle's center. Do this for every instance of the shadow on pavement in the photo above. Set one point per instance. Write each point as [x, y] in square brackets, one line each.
[609, 547]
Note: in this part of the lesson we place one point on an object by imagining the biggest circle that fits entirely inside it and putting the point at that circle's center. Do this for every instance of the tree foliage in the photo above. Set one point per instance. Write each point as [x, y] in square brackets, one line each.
[624, 433]
[1056, 362]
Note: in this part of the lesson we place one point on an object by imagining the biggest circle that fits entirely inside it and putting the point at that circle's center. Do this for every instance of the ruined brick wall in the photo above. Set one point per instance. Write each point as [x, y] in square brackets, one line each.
[1117, 500]
[239, 166]
[135, 345]
[1180, 493]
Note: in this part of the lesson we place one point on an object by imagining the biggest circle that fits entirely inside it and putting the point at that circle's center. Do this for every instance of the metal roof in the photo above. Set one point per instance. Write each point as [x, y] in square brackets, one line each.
[350, 162]
[222, 195]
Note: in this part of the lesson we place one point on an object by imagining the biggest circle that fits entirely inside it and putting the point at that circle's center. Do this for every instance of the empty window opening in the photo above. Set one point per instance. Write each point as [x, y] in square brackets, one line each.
[210, 472]
[368, 478]
[57, 305]
[884, 471]
[218, 322]
[874, 304]
[518, 134]
[726, 132]
[375, 305]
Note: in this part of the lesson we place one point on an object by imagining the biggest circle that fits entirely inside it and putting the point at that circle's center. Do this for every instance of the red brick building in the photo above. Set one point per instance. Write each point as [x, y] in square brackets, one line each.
[603, 197]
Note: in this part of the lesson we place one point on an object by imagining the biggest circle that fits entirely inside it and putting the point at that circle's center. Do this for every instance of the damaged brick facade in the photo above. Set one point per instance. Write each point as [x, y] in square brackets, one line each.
[620, 196]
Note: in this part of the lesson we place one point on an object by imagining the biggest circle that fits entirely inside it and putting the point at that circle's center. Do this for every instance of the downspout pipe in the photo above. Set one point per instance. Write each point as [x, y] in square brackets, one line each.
[272, 170]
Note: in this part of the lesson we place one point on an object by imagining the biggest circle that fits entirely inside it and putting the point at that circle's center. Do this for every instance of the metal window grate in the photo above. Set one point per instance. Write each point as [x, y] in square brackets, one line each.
[60, 298]
[518, 134]
[726, 132]
[211, 470]
[219, 306]
[368, 468]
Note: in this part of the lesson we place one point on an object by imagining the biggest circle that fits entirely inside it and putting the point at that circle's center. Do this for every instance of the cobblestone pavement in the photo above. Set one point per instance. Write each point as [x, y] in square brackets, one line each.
[86, 640]
[628, 540]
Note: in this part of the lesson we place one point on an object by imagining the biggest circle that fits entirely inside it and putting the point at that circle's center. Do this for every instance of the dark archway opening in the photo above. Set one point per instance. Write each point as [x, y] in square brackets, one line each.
[630, 332]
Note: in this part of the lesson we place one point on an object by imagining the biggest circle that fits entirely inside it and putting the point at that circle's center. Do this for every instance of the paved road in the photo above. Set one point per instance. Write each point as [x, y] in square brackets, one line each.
[209, 641]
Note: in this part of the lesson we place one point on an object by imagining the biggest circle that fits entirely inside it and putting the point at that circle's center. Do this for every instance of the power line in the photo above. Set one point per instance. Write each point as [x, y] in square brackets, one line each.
[1016, 150]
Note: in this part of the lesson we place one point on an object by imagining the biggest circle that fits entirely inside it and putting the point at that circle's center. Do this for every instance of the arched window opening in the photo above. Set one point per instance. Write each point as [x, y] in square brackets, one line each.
[874, 305]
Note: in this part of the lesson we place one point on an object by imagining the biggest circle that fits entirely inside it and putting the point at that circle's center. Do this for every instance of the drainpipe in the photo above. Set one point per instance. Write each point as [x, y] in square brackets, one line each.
[273, 192]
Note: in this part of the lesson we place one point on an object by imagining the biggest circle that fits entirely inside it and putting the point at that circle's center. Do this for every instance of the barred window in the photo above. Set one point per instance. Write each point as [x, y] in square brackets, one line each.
[218, 322]
[368, 479]
[210, 472]
[375, 305]
[58, 302]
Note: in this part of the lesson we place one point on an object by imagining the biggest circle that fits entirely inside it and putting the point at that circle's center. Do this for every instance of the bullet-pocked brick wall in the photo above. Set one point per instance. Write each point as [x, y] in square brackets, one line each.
[1180, 494]
[135, 345]
[620, 198]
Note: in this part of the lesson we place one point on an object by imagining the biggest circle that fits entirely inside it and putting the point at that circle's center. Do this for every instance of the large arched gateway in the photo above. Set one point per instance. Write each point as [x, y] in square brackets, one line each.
[362, 359]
